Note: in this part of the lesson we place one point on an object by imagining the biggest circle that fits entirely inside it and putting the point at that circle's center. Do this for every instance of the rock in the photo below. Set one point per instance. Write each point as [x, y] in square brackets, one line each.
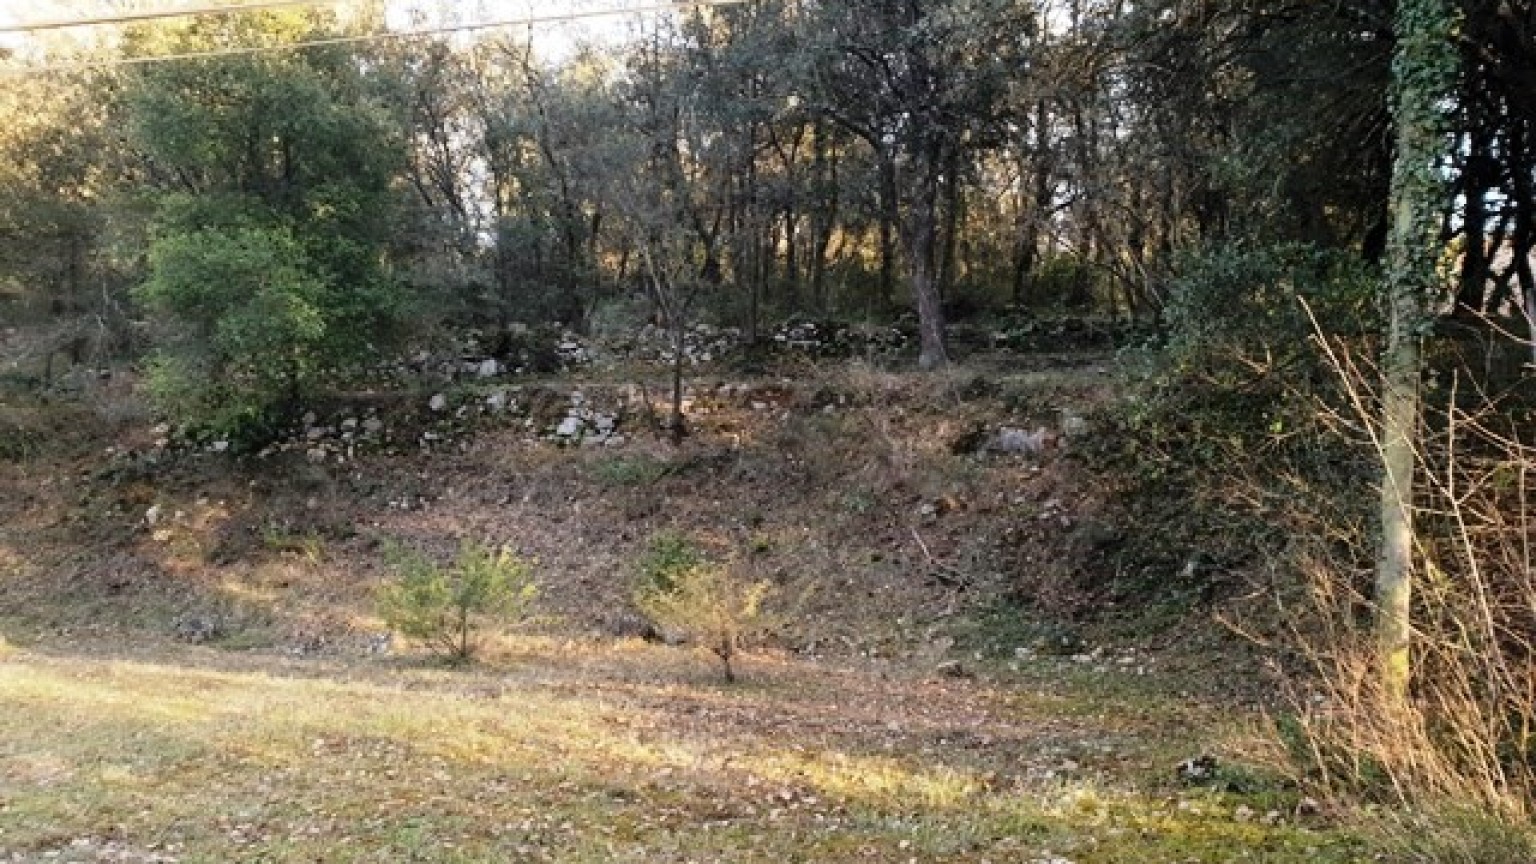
[349, 424]
[152, 516]
[488, 368]
[438, 402]
[1010, 439]
[570, 427]
[309, 418]
[373, 425]
[1197, 770]
[496, 401]
[953, 669]
[1073, 425]
[603, 423]
[380, 643]
[219, 446]
[197, 629]
[317, 455]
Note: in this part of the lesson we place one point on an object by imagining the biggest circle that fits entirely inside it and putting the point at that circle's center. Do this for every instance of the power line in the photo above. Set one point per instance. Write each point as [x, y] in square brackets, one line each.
[528, 21]
[131, 17]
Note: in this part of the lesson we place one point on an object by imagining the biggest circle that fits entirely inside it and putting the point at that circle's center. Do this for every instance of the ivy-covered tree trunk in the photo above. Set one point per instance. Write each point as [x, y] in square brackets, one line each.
[1423, 77]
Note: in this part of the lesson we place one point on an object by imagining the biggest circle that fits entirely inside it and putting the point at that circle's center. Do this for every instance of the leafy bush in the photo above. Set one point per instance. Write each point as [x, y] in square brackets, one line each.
[668, 556]
[680, 592]
[1247, 300]
[249, 322]
[444, 606]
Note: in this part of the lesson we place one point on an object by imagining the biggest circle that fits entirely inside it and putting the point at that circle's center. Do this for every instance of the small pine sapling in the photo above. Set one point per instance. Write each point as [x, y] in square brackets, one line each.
[443, 607]
[680, 592]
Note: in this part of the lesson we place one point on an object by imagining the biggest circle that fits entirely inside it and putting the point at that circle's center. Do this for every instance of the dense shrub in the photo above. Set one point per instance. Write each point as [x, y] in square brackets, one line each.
[1242, 301]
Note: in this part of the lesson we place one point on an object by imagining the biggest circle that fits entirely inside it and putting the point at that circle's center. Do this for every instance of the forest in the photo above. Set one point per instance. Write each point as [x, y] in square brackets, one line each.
[1056, 431]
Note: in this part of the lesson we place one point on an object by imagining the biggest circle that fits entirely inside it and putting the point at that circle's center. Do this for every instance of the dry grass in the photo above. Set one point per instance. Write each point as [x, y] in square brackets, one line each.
[589, 753]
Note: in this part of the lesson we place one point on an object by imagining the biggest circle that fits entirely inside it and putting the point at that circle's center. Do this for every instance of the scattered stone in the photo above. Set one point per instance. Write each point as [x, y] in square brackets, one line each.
[1010, 439]
[317, 455]
[152, 515]
[953, 669]
[197, 629]
[1198, 769]
[497, 401]
[570, 427]
[1073, 425]
[373, 425]
[219, 446]
[488, 368]
[438, 402]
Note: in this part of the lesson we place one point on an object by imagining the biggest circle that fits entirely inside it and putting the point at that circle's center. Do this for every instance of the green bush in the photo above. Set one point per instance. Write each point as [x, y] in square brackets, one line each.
[1243, 300]
[249, 323]
[443, 607]
[681, 593]
[669, 555]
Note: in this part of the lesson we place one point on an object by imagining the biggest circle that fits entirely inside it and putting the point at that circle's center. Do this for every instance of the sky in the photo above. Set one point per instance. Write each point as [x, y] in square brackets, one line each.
[551, 40]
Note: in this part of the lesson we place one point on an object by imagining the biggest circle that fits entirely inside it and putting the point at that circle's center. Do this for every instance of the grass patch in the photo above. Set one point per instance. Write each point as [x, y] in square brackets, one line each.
[275, 763]
[629, 471]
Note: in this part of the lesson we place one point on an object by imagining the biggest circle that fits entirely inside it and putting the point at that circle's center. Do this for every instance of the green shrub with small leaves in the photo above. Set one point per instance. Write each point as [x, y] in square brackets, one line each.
[680, 592]
[445, 606]
[668, 555]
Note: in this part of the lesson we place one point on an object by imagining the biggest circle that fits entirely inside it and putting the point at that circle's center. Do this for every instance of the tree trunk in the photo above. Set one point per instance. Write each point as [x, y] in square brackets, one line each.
[920, 236]
[889, 215]
[953, 202]
[1424, 70]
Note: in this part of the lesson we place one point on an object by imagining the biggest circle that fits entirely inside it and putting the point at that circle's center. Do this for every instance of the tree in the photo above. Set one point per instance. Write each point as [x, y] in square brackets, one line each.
[60, 162]
[1424, 69]
[272, 180]
[922, 85]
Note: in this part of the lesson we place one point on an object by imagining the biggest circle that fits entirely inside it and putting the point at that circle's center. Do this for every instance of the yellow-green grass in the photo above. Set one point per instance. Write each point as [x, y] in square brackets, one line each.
[201, 756]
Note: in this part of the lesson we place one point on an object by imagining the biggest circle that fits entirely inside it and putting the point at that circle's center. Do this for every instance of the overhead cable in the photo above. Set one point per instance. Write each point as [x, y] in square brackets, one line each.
[527, 21]
[158, 14]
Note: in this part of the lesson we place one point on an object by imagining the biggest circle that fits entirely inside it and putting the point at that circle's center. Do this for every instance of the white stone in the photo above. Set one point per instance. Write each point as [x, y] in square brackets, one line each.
[570, 427]
[488, 368]
[438, 402]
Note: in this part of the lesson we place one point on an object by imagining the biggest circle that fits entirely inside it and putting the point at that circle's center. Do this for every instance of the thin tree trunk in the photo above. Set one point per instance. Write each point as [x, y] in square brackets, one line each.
[953, 203]
[1424, 69]
[889, 216]
[921, 239]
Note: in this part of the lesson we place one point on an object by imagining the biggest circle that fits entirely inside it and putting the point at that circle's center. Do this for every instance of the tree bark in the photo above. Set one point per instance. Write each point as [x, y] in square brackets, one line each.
[921, 242]
[1424, 70]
